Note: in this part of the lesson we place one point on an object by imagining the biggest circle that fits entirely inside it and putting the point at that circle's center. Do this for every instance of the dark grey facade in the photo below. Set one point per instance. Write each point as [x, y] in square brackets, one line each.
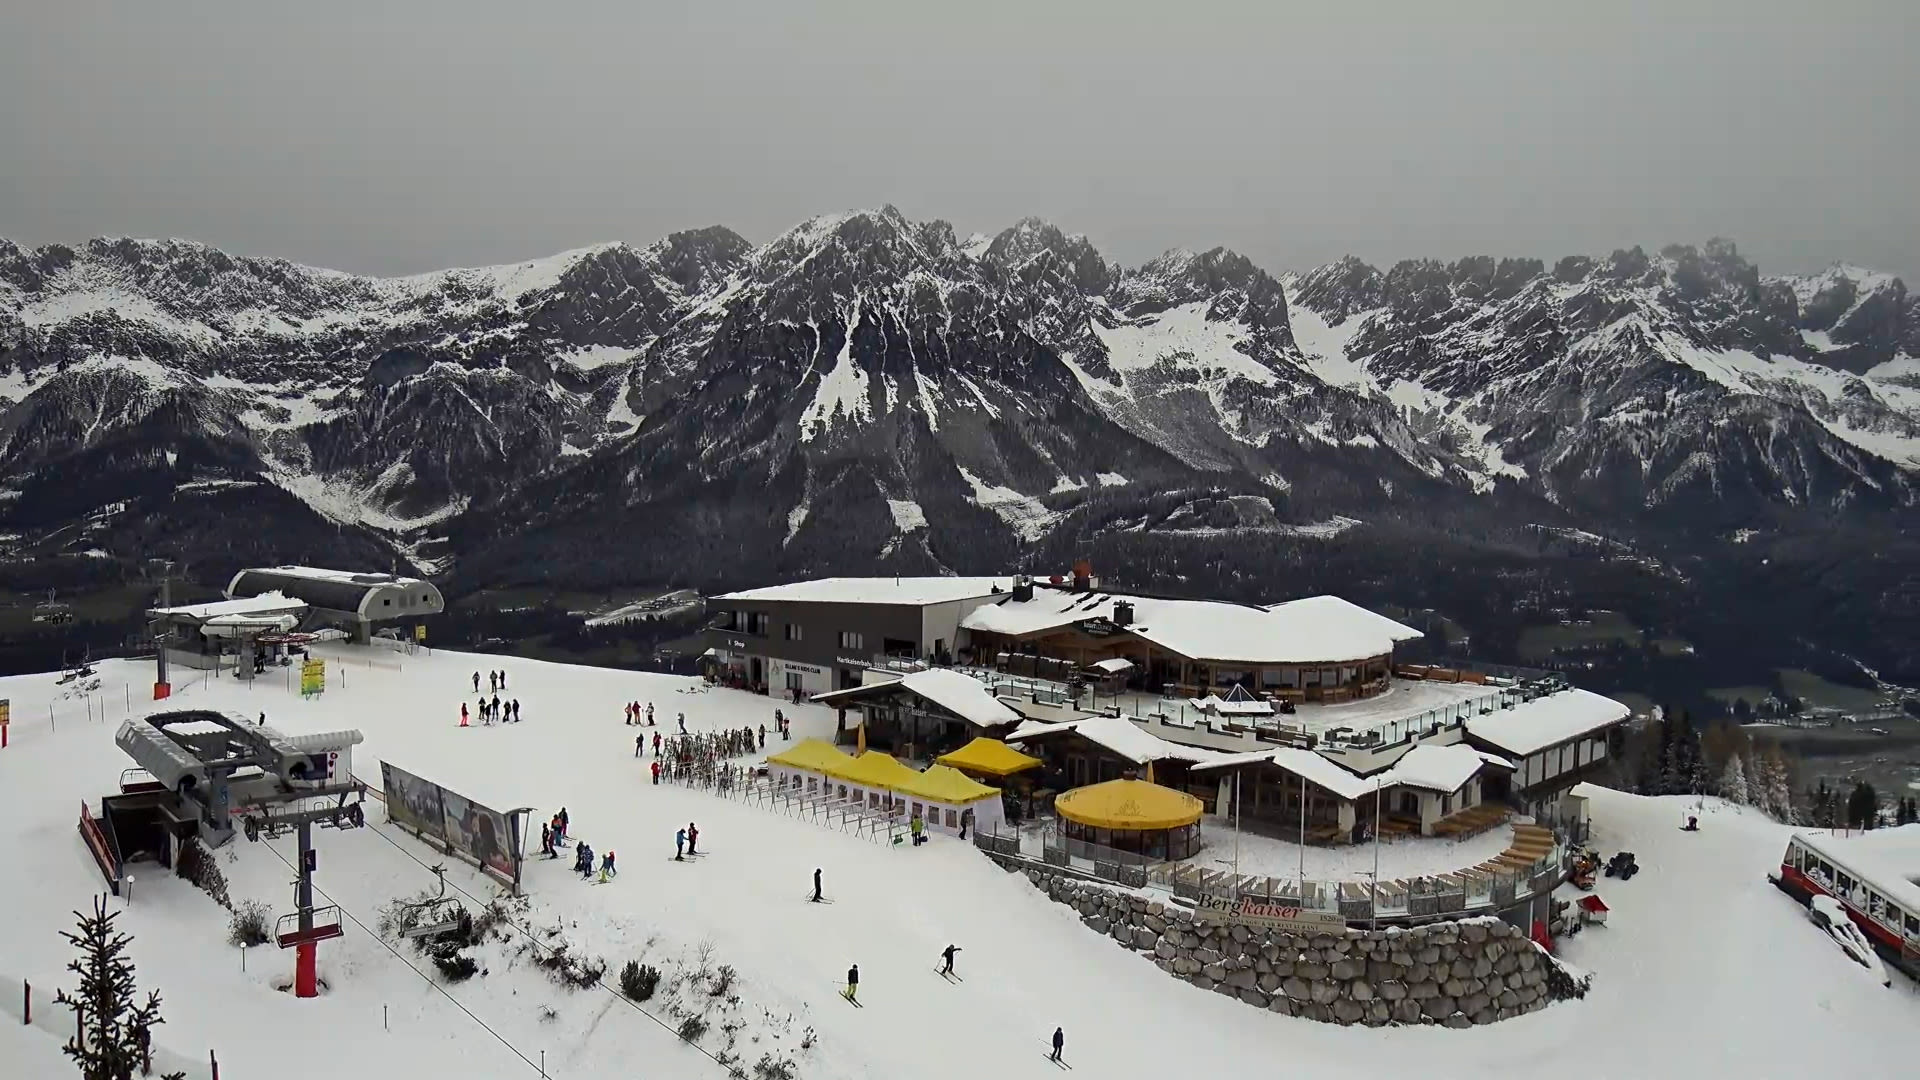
[784, 645]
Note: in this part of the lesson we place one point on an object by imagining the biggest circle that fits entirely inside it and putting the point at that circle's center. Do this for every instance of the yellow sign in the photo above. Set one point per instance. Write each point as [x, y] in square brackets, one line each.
[6, 711]
[420, 633]
[313, 677]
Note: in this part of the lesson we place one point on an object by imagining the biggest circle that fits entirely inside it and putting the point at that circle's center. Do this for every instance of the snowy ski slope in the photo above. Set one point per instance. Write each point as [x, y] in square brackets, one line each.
[1704, 969]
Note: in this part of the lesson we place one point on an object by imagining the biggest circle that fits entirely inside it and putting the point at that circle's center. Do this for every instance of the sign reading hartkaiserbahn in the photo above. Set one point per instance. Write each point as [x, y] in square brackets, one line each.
[1248, 911]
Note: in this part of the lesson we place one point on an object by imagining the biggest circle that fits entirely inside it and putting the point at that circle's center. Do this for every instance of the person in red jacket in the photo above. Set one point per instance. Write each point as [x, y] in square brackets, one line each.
[656, 770]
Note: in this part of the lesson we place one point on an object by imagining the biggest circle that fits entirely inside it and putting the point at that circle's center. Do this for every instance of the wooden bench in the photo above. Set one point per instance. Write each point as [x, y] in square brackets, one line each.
[1323, 834]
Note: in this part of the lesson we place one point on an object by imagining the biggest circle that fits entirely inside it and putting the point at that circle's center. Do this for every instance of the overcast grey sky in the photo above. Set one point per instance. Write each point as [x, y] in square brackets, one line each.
[409, 135]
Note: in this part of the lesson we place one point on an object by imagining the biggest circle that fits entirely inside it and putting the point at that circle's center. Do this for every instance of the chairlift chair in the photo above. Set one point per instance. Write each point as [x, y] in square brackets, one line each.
[326, 925]
[438, 915]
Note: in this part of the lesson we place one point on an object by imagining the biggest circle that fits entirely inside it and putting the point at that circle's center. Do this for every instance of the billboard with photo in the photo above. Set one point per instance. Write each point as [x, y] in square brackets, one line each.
[478, 832]
[461, 826]
[413, 802]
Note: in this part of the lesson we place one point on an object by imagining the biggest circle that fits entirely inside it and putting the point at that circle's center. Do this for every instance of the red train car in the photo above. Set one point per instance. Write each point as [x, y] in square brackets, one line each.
[1875, 875]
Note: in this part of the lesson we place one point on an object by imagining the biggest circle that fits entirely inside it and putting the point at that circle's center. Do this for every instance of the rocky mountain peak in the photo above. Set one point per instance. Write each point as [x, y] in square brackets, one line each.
[1073, 258]
[1340, 290]
[1227, 280]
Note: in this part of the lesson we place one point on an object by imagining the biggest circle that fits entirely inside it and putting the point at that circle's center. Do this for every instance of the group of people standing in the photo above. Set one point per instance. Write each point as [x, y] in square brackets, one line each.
[492, 710]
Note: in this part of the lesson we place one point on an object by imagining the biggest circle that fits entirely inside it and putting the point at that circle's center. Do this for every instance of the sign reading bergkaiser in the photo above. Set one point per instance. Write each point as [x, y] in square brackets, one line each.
[1248, 911]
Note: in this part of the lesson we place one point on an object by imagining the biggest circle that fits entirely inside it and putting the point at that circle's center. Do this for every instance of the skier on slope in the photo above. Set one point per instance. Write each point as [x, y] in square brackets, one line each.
[463, 714]
[607, 872]
[656, 744]
[546, 839]
[476, 682]
[816, 884]
[683, 723]
[1059, 1043]
[853, 984]
[946, 954]
[693, 838]
[656, 770]
[649, 714]
[564, 822]
[639, 745]
[680, 846]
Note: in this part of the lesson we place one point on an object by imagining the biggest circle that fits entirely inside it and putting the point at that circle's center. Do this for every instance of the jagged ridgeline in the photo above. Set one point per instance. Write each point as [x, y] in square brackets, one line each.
[866, 393]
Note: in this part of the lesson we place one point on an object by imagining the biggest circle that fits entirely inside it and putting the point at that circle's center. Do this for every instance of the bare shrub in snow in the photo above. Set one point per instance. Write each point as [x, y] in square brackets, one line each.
[773, 1068]
[692, 1028]
[251, 924]
[638, 981]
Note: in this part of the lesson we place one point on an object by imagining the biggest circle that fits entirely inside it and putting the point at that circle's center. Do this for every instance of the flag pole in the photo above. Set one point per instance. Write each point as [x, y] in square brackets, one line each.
[1303, 837]
[1373, 904]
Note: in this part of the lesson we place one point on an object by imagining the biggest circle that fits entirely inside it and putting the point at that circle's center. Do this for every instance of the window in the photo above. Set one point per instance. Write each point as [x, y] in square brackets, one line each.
[850, 639]
[1913, 926]
[757, 622]
[953, 820]
[793, 681]
[386, 601]
[793, 631]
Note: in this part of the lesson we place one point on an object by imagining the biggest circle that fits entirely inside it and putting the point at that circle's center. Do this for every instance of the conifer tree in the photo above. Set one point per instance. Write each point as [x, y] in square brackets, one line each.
[115, 1036]
[1733, 782]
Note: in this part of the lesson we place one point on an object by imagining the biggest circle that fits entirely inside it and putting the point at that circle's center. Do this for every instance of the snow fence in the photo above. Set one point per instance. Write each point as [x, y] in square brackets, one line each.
[1457, 973]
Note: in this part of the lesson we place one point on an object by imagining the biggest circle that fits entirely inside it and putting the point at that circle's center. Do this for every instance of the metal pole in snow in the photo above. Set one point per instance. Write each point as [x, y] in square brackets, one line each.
[1373, 904]
[1303, 838]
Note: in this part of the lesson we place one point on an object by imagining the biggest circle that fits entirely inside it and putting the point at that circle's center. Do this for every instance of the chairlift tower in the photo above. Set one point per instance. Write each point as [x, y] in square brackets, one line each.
[307, 926]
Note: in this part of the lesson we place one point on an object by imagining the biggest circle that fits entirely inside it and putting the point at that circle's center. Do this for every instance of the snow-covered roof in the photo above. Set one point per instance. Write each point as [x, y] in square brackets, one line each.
[350, 577]
[1120, 736]
[1429, 766]
[1437, 768]
[1114, 666]
[1888, 859]
[960, 694]
[1316, 629]
[1315, 769]
[877, 590]
[271, 603]
[1531, 726]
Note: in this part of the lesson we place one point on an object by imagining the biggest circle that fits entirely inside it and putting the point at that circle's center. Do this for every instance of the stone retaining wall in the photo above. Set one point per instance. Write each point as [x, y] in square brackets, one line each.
[1462, 973]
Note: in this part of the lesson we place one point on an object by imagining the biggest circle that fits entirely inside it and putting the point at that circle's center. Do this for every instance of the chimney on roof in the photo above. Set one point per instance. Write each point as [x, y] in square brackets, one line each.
[1082, 575]
[1022, 589]
[1123, 613]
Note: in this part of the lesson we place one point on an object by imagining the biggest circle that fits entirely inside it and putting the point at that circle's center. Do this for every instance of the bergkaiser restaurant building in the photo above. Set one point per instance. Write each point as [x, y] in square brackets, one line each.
[1296, 705]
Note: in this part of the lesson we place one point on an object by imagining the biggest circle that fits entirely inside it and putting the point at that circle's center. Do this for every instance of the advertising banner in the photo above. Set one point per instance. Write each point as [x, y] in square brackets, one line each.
[1263, 915]
[413, 802]
[478, 832]
[313, 677]
[460, 825]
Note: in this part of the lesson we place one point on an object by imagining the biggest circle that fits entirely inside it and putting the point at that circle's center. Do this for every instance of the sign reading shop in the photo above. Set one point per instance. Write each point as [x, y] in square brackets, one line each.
[1268, 916]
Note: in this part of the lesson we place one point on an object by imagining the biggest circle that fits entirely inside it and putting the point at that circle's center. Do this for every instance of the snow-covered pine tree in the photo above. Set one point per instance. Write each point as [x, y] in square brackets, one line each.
[1775, 794]
[115, 1036]
[1733, 782]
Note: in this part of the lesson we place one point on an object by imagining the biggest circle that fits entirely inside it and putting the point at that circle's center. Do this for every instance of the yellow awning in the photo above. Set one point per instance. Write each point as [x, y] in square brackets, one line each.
[1128, 804]
[989, 757]
[812, 755]
[950, 786]
[876, 769]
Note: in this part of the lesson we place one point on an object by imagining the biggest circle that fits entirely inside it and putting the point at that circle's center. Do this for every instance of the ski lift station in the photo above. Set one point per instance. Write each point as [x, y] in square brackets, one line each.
[356, 601]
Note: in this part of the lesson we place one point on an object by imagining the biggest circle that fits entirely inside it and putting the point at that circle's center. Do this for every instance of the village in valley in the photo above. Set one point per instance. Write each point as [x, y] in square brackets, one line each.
[1062, 818]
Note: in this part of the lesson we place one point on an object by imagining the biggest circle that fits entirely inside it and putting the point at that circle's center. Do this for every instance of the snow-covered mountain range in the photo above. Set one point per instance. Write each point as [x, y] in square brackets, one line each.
[868, 390]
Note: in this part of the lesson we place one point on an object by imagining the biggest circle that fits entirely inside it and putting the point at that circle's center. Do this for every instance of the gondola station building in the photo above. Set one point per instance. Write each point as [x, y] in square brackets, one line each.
[1302, 707]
